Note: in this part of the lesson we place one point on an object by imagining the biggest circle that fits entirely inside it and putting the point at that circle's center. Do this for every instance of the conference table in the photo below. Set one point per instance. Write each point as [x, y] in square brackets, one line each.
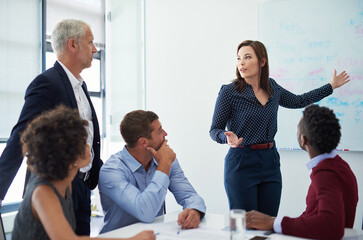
[212, 227]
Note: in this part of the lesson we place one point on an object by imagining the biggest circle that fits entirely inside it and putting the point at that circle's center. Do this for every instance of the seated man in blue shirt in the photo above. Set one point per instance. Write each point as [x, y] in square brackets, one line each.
[133, 183]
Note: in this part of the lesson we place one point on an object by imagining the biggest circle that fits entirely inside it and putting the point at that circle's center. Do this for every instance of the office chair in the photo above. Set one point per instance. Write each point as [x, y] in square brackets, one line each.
[2, 231]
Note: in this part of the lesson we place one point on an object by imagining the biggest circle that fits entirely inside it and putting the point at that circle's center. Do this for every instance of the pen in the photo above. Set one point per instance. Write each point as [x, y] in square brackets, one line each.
[179, 227]
[178, 232]
[157, 233]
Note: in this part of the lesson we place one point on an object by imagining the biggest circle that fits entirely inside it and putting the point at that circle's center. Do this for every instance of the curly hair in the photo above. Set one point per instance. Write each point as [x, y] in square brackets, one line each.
[53, 141]
[136, 124]
[321, 128]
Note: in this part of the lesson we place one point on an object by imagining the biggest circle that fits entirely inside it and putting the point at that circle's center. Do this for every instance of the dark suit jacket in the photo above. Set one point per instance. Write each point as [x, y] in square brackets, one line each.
[45, 92]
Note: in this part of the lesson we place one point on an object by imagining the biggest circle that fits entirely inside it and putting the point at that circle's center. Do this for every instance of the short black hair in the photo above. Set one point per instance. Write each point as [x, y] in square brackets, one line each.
[53, 141]
[136, 124]
[321, 128]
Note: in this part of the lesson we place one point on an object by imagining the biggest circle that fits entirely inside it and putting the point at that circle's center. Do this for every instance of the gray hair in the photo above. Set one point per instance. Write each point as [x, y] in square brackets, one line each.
[65, 30]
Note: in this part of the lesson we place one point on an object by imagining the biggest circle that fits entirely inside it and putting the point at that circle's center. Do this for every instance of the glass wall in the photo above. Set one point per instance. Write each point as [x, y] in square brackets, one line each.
[125, 68]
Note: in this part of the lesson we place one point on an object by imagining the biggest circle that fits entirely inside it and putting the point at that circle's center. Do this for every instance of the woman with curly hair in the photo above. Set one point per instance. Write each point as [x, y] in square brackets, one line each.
[55, 146]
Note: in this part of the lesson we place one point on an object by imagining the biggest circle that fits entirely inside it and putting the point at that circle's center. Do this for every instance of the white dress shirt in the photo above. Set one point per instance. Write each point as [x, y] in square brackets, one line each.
[84, 110]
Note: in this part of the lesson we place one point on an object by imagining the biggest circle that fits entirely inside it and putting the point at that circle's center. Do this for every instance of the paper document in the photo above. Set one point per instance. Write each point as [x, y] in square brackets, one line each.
[171, 231]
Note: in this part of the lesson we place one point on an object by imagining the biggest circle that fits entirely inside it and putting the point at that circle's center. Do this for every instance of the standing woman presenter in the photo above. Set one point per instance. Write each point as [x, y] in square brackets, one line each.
[248, 107]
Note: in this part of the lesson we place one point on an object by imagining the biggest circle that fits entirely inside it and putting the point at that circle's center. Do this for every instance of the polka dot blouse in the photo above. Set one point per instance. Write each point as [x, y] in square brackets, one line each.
[244, 115]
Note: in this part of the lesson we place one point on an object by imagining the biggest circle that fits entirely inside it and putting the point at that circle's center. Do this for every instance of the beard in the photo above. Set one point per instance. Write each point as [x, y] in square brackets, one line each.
[157, 146]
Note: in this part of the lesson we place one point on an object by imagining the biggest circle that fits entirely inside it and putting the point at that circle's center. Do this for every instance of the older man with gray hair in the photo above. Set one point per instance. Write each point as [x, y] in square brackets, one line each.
[72, 41]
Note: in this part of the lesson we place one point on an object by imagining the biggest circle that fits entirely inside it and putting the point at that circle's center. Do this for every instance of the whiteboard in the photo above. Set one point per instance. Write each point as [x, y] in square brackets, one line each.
[305, 41]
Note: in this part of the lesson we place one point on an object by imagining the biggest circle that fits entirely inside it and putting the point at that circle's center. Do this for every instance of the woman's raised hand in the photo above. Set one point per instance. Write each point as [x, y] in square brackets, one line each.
[339, 80]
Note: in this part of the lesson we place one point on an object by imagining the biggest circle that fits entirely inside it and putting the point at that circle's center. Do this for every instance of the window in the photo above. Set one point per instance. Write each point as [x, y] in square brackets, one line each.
[20, 62]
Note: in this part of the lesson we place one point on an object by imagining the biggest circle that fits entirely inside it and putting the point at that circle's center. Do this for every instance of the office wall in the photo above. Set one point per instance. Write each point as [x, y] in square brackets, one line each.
[190, 52]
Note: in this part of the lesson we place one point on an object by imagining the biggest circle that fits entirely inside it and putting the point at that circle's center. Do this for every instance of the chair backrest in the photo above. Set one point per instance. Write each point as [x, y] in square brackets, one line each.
[2, 231]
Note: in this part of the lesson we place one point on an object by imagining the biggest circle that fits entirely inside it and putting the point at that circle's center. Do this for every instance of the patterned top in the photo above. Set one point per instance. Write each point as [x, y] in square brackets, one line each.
[26, 226]
[244, 115]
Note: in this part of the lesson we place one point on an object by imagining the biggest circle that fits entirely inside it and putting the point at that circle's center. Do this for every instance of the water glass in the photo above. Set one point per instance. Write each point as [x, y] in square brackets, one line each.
[237, 219]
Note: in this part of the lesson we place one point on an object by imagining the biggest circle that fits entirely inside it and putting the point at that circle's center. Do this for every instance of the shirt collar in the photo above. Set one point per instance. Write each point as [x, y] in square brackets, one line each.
[316, 160]
[75, 82]
[131, 162]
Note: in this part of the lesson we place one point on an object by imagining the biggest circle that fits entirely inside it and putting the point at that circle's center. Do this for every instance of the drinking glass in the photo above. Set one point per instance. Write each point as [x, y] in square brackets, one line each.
[237, 219]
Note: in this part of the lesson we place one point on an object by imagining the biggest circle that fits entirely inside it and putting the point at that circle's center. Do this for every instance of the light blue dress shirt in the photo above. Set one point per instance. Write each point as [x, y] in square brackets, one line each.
[310, 165]
[129, 194]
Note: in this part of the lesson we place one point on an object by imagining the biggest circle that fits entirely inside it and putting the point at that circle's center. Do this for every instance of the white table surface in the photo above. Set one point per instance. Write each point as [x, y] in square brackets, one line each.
[211, 222]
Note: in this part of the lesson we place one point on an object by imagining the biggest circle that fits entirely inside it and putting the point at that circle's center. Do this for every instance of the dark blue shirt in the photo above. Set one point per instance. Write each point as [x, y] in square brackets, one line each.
[244, 115]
